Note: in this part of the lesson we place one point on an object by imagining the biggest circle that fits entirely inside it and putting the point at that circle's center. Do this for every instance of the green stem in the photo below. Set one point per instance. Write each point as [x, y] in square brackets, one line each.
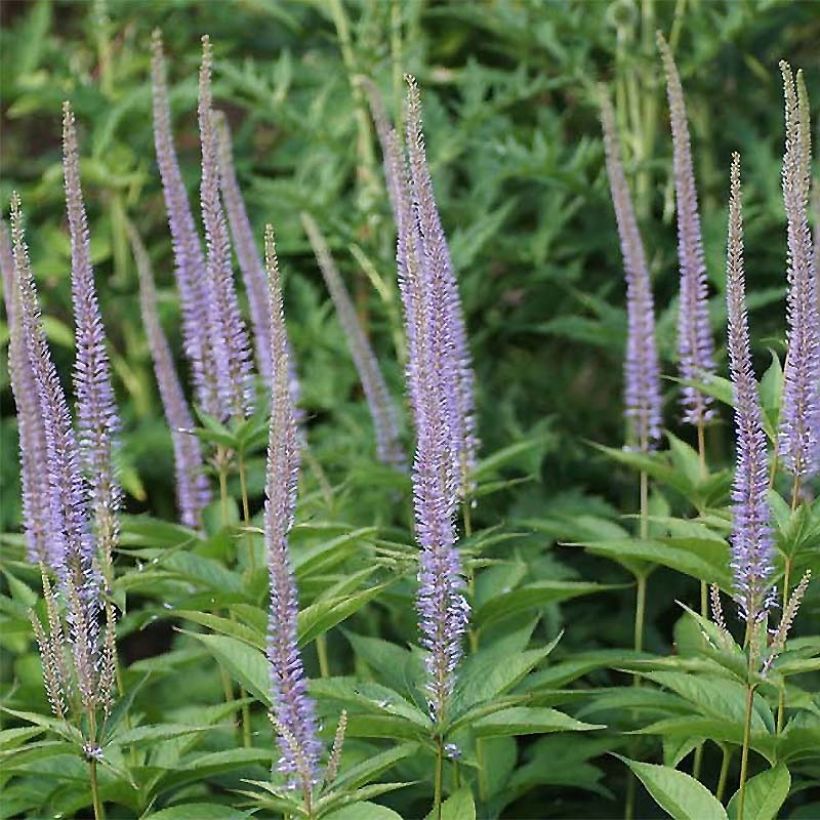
[438, 778]
[744, 758]
[246, 514]
[724, 771]
[321, 651]
[99, 811]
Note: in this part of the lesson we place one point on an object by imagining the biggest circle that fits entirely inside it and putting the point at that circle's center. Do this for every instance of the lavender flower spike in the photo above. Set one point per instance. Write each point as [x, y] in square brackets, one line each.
[189, 261]
[752, 548]
[32, 436]
[70, 544]
[798, 440]
[695, 344]
[379, 401]
[193, 493]
[71, 548]
[97, 418]
[641, 369]
[253, 272]
[228, 334]
[436, 268]
[443, 611]
[294, 710]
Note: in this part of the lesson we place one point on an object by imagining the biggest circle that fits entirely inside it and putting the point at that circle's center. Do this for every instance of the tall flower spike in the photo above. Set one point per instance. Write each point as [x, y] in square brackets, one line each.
[97, 418]
[193, 492]
[189, 261]
[752, 548]
[437, 271]
[443, 611]
[293, 709]
[798, 439]
[31, 434]
[68, 538]
[250, 263]
[642, 392]
[379, 400]
[71, 549]
[695, 344]
[228, 334]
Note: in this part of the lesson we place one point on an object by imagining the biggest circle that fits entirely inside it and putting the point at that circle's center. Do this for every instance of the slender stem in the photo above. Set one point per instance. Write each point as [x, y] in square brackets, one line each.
[222, 467]
[702, 449]
[629, 808]
[644, 505]
[321, 651]
[724, 771]
[246, 514]
[744, 759]
[99, 811]
[640, 610]
[698, 761]
[439, 776]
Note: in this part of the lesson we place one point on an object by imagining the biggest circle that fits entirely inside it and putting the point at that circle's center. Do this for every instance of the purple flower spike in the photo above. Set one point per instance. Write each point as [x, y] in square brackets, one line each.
[228, 334]
[799, 426]
[189, 261]
[695, 344]
[379, 400]
[97, 419]
[752, 549]
[71, 551]
[642, 392]
[293, 709]
[436, 270]
[253, 272]
[33, 460]
[193, 492]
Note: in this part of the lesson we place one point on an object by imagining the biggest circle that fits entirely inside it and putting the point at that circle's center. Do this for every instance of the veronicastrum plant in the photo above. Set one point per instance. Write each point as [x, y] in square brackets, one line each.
[311, 637]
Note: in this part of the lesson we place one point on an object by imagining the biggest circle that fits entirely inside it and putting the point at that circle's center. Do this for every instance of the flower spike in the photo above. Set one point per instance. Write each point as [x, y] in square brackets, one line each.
[641, 369]
[752, 547]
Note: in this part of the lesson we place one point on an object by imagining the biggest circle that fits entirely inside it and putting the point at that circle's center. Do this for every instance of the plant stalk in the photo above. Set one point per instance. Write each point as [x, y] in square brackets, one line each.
[438, 778]
[724, 771]
[744, 759]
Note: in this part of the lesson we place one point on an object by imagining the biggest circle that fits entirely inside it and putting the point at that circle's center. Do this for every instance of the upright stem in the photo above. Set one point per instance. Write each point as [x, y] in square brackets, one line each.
[702, 448]
[99, 811]
[321, 652]
[704, 590]
[644, 505]
[246, 514]
[640, 609]
[787, 572]
[439, 776]
[744, 759]
[724, 771]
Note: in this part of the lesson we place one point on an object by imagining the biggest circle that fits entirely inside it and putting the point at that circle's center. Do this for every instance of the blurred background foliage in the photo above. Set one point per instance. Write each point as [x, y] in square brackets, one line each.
[509, 89]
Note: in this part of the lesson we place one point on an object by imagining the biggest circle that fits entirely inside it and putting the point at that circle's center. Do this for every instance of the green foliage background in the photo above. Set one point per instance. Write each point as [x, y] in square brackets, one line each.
[509, 90]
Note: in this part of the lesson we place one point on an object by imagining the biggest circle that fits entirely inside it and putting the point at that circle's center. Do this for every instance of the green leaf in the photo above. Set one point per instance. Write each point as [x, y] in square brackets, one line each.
[537, 594]
[248, 666]
[765, 794]
[323, 615]
[678, 794]
[205, 811]
[159, 731]
[458, 806]
[224, 626]
[528, 720]
[363, 811]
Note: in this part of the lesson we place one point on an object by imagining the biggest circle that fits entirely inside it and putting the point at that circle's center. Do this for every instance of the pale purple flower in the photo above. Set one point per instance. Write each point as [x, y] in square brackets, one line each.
[695, 344]
[798, 439]
[642, 392]
[189, 260]
[438, 472]
[436, 270]
[752, 546]
[293, 709]
[97, 418]
[71, 548]
[32, 436]
[228, 334]
[192, 489]
[379, 400]
[250, 263]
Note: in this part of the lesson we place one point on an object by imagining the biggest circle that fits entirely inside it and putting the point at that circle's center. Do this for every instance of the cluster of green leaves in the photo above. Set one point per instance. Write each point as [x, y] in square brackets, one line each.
[545, 698]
